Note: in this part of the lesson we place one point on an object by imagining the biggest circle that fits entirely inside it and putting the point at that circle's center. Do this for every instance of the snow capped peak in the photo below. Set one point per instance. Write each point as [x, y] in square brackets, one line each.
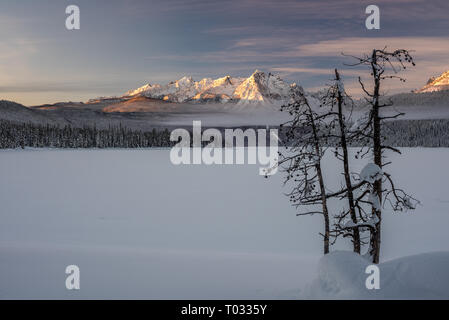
[263, 87]
[260, 87]
[440, 83]
[184, 81]
[252, 88]
[257, 72]
[223, 81]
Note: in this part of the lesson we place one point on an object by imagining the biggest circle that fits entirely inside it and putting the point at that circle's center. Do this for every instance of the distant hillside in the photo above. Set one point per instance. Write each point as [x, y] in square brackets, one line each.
[77, 116]
[13, 111]
[431, 98]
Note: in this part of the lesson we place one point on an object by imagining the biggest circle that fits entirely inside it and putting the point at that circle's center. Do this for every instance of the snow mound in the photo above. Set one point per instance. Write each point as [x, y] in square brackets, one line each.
[371, 173]
[341, 275]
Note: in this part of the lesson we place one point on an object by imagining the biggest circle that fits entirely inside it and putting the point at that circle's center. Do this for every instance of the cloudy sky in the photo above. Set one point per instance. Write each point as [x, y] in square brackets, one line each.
[125, 44]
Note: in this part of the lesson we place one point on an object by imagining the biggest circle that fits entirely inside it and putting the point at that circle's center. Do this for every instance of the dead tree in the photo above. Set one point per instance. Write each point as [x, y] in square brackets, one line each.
[383, 65]
[305, 140]
[336, 99]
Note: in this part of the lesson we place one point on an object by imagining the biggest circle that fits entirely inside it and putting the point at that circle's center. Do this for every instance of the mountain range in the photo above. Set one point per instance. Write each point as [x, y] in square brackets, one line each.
[260, 87]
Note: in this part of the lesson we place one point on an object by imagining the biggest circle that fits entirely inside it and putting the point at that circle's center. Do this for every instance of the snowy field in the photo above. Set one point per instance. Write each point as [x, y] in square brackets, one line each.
[140, 227]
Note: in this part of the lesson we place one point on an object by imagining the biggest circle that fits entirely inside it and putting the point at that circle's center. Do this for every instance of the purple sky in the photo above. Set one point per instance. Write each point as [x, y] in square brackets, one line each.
[125, 44]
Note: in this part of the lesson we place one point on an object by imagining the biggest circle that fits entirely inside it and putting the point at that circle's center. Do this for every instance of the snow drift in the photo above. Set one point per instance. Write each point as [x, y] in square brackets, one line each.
[341, 275]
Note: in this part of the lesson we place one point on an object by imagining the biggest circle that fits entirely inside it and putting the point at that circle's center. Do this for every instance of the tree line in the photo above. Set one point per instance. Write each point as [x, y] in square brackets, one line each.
[398, 133]
[21, 135]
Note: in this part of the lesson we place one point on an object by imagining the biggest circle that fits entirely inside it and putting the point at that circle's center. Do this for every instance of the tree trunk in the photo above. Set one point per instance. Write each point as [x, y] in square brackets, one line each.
[324, 206]
[344, 146]
[321, 182]
[377, 151]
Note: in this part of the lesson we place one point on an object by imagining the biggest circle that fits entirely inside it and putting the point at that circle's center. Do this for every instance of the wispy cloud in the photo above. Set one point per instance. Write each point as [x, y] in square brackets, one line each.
[434, 46]
[314, 71]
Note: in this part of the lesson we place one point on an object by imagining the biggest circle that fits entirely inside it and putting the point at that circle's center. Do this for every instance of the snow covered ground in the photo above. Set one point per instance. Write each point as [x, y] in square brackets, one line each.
[140, 227]
[422, 276]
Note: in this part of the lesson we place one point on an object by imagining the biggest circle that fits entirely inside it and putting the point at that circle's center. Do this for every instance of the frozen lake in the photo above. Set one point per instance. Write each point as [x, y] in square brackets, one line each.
[140, 227]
